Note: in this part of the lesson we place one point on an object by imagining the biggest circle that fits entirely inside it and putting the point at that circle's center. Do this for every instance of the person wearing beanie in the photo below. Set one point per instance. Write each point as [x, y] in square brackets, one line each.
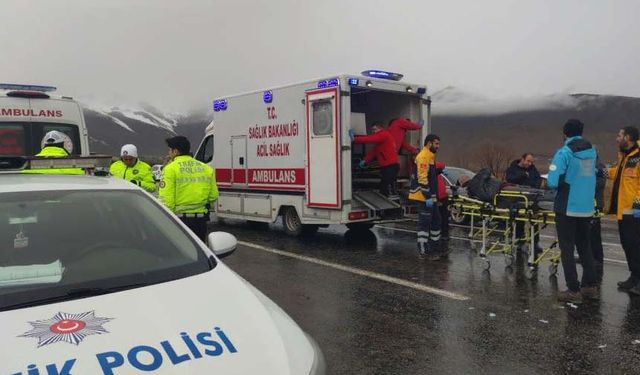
[188, 187]
[573, 174]
[132, 169]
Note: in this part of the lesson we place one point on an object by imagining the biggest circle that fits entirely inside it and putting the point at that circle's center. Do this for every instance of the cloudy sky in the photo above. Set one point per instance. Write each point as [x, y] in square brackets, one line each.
[180, 54]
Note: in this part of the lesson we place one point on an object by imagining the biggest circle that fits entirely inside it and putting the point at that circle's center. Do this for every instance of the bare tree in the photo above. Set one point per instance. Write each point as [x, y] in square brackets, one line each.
[463, 160]
[495, 156]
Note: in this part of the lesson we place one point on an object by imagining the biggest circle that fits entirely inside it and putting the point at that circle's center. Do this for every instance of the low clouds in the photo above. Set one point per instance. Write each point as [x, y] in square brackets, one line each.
[180, 55]
[454, 102]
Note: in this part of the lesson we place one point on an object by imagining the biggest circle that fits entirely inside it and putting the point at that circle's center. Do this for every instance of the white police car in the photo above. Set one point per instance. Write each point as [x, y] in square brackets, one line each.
[97, 277]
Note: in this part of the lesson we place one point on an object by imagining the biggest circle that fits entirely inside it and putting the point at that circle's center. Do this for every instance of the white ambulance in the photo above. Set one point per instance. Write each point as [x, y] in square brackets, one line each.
[286, 152]
[28, 112]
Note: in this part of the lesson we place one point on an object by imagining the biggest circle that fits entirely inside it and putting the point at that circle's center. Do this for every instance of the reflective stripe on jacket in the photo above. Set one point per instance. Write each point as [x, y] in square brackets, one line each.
[188, 185]
[140, 172]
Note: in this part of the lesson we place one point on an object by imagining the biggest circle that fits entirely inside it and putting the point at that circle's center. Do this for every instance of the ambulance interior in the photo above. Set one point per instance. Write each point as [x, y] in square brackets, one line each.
[369, 106]
[24, 138]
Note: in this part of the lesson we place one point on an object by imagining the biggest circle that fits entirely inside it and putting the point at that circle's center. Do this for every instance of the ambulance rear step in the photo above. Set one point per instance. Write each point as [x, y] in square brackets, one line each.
[383, 207]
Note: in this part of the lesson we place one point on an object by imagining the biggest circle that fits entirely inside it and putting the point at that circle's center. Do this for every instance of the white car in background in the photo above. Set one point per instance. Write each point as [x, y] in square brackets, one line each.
[97, 277]
[156, 171]
[451, 182]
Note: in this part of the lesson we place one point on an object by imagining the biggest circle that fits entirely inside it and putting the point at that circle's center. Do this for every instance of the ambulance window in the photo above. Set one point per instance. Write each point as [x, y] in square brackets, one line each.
[205, 153]
[40, 129]
[12, 139]
[322, 117]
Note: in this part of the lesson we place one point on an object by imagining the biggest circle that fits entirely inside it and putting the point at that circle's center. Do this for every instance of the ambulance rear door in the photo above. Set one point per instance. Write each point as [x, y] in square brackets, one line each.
[323, 182]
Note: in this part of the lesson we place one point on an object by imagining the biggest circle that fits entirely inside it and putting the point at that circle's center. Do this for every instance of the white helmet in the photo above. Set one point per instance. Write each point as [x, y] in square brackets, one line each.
[57, 137]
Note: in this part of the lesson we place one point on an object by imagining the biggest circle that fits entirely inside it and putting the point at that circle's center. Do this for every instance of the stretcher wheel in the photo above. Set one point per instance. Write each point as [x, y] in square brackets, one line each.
[531, 272]
[553, 269]
[472, 246]
[486, 264]
[509, 259]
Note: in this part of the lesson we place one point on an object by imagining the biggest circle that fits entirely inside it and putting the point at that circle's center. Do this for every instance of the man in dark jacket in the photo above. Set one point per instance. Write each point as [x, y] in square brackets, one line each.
[523, 172]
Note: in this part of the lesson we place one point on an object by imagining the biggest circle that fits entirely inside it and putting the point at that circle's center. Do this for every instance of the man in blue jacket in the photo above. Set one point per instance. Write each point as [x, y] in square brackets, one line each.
[572, 172]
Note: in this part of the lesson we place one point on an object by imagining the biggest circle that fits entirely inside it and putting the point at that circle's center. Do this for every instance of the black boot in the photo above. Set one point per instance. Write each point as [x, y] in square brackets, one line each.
[599, 272]
[628, 283]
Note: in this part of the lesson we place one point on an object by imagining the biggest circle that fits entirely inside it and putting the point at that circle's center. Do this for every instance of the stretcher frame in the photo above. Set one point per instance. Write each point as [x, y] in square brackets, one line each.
[497, 240]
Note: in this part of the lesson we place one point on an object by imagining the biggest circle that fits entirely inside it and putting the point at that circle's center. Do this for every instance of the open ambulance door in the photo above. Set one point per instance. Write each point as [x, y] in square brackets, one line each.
[323, 183]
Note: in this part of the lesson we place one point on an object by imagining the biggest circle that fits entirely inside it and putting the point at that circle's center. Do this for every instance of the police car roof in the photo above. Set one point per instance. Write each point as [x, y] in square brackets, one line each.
[18, 182]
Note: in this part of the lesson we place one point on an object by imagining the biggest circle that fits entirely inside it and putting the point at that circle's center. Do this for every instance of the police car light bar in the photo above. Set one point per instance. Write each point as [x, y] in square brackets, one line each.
[16, 163]
[13, 86]
[93, 161]
[382, 74]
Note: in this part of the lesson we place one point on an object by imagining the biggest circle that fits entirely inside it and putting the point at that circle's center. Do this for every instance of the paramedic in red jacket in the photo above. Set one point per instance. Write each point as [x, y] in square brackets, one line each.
[398, 128]
[443, 199]
[384, 151]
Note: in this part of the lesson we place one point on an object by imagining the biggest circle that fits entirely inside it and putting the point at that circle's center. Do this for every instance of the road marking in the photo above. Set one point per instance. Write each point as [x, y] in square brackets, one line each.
[360, 272]
[608, 260]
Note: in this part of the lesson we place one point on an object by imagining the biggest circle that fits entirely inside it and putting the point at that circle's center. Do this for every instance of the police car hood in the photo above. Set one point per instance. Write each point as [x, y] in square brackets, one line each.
[212, 323]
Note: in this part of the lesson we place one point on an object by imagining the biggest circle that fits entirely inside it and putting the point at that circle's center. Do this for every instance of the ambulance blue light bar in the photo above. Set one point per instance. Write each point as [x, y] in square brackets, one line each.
[267, 96]
[382, 74]
[421, 90]
[220, 105]
[328, 83]
[353, 81]
[18, 87]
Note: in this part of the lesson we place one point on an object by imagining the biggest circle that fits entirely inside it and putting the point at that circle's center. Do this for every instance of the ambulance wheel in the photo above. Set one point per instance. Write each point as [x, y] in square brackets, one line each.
[291, 222]
[359, 227]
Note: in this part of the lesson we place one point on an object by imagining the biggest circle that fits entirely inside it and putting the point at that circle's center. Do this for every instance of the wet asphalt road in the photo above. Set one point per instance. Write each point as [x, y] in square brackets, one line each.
[506, 324]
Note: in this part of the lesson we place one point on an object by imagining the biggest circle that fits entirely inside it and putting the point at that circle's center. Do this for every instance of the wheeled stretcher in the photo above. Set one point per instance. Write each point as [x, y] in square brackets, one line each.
[493, 224]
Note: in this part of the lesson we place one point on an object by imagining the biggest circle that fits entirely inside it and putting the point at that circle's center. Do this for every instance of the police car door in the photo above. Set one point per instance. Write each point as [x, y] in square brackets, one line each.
[323, 148]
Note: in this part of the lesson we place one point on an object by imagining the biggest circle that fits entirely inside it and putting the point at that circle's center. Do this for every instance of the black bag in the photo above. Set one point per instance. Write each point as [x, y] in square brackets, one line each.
[483, 186]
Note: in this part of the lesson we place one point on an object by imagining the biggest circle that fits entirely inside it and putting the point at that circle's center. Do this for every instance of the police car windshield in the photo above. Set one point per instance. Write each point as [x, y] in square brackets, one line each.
[54, 242]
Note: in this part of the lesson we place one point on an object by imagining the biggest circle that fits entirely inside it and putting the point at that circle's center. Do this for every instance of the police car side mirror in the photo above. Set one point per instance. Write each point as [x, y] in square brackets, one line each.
[222, 243]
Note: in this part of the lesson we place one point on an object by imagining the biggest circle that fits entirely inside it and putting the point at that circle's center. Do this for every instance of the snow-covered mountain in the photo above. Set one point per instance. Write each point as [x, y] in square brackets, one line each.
[143, 125]
[465, 120]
